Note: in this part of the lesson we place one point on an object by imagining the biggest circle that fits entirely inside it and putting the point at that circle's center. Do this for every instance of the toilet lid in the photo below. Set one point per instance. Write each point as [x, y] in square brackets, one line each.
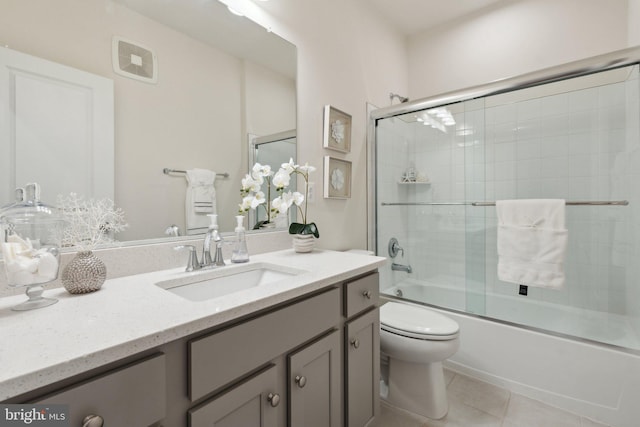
[413, 321]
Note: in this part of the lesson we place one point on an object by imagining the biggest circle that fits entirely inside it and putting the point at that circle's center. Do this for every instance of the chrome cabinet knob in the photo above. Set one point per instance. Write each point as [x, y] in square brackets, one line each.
[92, 421]
[301, 381]
[274, 399]
[367, 294]
[355, 343]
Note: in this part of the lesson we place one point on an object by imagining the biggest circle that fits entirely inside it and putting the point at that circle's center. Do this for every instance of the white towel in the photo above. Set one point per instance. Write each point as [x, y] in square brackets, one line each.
[200, 199]
[532, 242]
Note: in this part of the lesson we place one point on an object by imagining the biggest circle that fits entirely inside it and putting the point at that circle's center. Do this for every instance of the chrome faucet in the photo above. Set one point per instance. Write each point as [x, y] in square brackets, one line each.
[400, 267]
[212, 236]
[192, 262]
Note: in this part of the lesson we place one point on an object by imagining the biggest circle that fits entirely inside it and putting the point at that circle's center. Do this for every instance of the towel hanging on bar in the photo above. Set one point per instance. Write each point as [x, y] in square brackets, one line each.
[200, 199]
[532, 242]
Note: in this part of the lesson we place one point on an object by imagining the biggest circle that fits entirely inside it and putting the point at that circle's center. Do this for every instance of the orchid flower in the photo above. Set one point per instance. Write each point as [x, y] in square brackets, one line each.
[281, 179]
[290, 167]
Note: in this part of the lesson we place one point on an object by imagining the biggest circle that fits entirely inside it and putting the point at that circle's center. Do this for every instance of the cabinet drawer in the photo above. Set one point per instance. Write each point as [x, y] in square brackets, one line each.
[134, 395]
[218, 359]
[361, 294]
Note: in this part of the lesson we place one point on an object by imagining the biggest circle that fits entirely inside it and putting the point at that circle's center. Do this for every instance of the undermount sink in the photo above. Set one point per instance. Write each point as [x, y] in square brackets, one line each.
[222, 281]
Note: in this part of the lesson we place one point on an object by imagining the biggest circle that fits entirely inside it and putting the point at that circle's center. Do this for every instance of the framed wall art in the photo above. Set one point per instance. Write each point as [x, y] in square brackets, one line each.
[337, 130]
[337, 178]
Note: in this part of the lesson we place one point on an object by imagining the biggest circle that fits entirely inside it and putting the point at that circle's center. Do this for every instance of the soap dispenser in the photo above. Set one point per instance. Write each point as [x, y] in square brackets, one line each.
[240, 252]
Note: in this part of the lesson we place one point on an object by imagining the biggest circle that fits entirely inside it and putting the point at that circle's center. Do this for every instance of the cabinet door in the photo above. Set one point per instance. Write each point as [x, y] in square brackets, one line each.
[314, 384]
[363, 369]
[253, 403]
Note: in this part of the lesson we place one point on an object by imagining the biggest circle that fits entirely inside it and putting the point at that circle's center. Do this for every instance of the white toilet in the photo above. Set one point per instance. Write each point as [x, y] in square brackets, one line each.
[417, 340]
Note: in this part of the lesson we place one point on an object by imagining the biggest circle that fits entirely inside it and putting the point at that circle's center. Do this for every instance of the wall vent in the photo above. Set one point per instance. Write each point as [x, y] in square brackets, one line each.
[130, 59]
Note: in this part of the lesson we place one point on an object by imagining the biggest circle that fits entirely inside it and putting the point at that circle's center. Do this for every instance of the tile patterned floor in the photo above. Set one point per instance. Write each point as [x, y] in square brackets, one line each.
[474, 403]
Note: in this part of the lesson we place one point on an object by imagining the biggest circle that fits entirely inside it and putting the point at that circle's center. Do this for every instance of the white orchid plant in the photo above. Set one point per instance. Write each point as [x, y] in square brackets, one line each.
[254, 197]
[252, 194]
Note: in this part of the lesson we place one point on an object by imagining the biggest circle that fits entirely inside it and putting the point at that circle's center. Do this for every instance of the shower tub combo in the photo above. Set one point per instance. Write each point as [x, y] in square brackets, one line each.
[570, 132]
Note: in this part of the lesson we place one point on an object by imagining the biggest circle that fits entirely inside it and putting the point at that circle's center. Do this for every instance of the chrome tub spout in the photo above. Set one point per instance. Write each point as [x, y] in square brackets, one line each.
[400, 267]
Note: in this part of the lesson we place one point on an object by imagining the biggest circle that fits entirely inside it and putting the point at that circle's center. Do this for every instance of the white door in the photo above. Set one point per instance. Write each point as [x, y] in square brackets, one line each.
[56, 128]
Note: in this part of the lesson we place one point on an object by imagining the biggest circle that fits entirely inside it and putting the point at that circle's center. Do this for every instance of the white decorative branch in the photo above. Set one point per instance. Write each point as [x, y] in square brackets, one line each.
[90, 223]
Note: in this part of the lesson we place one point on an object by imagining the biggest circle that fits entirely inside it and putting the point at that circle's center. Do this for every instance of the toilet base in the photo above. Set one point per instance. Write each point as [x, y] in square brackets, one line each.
[418, 387]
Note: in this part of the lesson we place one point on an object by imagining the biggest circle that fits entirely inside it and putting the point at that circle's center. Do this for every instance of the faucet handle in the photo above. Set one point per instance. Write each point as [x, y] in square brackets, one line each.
[394, 248]
[192, 263]
[218, 259]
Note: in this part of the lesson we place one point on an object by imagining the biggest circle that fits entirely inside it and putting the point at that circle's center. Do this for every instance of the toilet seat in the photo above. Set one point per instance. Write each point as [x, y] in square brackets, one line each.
[417, 322]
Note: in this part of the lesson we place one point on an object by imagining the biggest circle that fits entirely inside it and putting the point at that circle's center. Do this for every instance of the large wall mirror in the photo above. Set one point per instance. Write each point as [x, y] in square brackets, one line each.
[206, 80]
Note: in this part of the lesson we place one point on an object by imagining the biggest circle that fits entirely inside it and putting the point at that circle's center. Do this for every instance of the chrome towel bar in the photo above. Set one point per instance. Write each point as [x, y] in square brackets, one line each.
[568, 203]
[167, 171]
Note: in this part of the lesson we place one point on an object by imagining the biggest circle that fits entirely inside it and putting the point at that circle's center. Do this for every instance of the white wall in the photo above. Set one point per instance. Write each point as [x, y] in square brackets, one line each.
[269, 101]
[513, 38]
[347, 56]
[633, 19]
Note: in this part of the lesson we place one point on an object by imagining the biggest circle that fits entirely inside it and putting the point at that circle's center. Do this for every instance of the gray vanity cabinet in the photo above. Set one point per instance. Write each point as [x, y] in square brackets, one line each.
[309, 362]
[314, 380]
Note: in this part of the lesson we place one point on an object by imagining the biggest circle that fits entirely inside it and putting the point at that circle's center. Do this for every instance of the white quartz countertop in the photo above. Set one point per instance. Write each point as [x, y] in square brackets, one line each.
[131, 314]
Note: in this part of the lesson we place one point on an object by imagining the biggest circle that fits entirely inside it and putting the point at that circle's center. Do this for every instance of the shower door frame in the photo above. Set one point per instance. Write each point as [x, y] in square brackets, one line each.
[583, 67]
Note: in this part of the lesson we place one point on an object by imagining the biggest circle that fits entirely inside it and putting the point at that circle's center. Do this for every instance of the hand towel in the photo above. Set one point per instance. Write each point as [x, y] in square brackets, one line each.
[200, 199]
[532, 242]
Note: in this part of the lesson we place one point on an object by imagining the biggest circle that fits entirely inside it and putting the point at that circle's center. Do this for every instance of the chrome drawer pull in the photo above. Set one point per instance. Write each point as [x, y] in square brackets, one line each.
[274, 399]
[301, 381]
[355, 343]
[367, 294]
[92, 421]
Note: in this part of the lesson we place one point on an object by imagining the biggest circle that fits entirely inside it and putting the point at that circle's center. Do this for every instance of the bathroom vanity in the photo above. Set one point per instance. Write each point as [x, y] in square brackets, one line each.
[300, 350]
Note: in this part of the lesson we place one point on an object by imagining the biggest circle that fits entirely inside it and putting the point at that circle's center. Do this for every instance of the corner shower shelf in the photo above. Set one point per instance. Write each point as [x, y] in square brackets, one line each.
[414, 183]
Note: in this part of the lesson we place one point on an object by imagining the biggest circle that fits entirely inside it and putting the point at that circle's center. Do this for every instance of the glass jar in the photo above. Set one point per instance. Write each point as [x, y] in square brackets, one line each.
[31, 238]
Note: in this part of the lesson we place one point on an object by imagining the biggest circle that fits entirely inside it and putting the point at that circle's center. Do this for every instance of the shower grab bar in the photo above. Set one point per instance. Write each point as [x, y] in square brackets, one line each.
[568, 203]
[167, 171]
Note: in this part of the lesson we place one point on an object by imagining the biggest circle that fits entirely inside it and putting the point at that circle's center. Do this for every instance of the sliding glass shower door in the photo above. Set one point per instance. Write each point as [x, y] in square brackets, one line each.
[439, 171]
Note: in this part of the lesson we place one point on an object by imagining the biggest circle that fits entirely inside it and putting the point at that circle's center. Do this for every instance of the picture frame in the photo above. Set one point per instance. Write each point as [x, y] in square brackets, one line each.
[337, 178]
[337, 130]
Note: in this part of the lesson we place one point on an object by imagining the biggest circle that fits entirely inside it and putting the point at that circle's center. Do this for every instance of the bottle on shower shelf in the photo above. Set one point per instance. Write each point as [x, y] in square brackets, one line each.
[409, 174]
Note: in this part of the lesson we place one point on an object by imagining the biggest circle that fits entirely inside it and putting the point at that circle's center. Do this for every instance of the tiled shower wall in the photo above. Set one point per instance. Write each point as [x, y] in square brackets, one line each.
[580, 144]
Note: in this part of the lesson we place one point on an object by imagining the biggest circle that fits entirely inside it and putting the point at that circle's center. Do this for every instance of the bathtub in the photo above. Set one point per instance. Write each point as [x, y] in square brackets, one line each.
[593, 380]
